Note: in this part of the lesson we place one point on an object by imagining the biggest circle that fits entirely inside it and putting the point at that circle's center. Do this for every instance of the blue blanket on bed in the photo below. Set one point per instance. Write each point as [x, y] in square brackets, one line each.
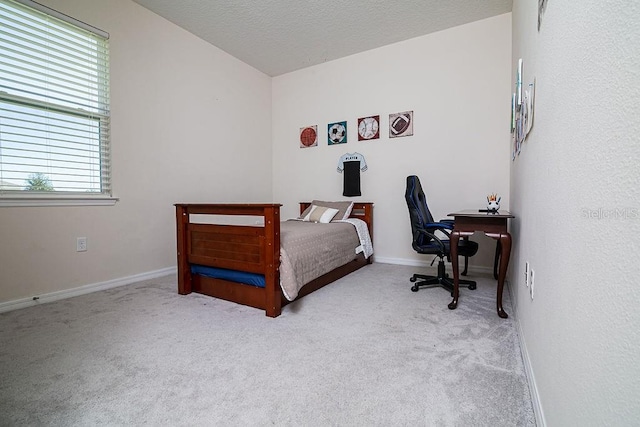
[230, 275]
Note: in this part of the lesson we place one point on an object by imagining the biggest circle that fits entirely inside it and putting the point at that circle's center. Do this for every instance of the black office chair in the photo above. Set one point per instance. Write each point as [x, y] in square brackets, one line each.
[425, 241]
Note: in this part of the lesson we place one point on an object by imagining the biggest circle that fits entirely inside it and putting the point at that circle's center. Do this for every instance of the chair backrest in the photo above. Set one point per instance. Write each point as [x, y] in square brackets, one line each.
[418, 210]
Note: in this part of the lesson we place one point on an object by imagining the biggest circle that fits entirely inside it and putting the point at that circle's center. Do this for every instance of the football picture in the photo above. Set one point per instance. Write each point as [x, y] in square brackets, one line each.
[401, 124]
[337, 133]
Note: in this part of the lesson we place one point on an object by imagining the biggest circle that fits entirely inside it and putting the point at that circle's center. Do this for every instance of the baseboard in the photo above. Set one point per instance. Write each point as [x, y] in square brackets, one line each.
[531, 378]
[81, 290]
[416, 263]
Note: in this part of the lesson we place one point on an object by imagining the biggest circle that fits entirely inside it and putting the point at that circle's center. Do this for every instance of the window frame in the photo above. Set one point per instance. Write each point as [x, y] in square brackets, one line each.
[104, 197]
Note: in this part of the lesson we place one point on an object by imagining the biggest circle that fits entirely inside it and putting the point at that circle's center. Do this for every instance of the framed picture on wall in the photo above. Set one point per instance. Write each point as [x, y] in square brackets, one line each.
[513, 112]
[309, 136]
[401, 124]
[519, 84]
[337, 133]
[368, 128]
[542, 4]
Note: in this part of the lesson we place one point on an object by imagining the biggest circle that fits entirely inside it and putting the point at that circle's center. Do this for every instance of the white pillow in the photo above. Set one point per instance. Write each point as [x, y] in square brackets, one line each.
[320, 214]
[344, 208]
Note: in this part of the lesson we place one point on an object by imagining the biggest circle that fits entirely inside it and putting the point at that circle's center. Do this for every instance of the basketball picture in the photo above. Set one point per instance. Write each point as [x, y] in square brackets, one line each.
[401, 124]
[337, 133]
[309, 136]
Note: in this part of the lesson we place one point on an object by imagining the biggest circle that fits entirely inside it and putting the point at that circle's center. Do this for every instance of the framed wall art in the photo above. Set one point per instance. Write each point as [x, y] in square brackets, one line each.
[368, 128]
[542, 5]
[309, 136]
[337, 133]
[401, 124]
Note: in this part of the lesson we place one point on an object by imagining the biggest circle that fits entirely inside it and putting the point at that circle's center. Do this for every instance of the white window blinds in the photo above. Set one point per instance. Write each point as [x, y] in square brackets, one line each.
[54, 104]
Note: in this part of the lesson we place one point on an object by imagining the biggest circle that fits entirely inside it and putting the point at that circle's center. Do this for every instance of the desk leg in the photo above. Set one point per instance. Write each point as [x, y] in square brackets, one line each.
[455, 237]
[496, 260]
[505, 251]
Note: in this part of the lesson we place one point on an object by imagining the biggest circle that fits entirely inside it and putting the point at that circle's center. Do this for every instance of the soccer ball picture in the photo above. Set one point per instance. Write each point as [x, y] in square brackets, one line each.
[337, 133]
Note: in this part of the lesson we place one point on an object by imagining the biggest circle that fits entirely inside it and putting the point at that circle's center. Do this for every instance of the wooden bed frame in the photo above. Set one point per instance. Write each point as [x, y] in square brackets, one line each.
[254, 249]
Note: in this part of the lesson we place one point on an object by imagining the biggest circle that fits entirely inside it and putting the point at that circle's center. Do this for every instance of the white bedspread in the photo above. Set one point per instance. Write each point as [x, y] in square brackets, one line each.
[366, 246]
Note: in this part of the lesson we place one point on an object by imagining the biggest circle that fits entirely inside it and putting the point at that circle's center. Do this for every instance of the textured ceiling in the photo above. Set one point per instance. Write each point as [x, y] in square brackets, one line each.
[279, 36]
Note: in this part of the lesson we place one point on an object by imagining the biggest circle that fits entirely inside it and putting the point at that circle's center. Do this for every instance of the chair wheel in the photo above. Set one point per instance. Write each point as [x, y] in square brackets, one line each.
[472, 287]
[414, 288]
[413, 279]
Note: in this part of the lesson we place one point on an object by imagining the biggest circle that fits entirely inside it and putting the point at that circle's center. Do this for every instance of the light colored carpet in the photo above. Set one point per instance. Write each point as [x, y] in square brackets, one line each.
[362, 351]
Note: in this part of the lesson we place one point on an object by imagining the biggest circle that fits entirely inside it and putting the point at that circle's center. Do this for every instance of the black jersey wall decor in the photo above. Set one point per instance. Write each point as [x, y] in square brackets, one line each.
[350, 165]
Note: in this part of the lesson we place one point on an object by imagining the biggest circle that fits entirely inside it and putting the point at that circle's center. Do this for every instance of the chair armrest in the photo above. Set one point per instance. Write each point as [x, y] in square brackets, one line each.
[434, 238]
[446, 225]
[445, 228]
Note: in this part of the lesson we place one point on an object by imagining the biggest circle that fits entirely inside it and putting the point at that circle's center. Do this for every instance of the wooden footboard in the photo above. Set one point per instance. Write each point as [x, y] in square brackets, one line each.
[248, 248]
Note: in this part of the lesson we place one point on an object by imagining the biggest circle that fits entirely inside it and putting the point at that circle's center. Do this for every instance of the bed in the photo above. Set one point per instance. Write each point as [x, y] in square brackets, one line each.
[251, 251]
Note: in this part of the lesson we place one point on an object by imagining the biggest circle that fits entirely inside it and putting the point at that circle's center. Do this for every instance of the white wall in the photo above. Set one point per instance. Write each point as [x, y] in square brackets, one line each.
[457, 83]
[572, 185]
[189, 124]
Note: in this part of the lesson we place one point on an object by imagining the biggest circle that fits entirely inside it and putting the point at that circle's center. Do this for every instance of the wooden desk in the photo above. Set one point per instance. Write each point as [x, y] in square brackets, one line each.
[493, 225]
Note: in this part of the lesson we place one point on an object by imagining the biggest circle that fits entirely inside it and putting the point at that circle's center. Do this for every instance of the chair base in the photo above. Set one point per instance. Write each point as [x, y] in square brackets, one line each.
[442, 280]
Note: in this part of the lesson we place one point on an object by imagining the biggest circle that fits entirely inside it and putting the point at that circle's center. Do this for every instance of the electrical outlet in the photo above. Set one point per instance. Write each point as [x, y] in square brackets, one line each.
[526, 273]
[81, 244]
[532, 282]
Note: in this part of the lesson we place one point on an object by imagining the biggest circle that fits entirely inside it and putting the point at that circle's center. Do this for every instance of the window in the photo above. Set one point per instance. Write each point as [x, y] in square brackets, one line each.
[54, 106]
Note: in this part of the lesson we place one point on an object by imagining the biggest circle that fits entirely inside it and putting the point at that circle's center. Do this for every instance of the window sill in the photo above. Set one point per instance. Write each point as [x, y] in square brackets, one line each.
[16, 201]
